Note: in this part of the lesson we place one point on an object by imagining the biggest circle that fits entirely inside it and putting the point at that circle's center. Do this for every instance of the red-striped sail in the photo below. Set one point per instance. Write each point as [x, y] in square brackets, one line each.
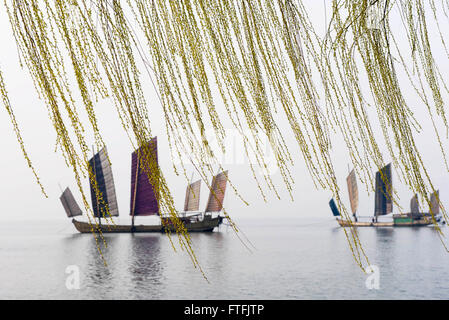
[192, 202]
[217, 193]
[144, 166]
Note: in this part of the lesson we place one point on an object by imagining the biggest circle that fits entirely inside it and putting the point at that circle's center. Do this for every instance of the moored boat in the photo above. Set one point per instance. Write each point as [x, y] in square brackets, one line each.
[417, 218]
[144, 201]
[207, 224]
[383, 205]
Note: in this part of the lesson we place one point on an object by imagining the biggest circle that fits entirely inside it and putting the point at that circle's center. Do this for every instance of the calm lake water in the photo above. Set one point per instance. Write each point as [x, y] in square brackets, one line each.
[294, 259]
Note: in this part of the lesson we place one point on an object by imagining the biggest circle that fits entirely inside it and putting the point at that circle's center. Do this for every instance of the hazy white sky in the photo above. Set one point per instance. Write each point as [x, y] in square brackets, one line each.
[20, 196]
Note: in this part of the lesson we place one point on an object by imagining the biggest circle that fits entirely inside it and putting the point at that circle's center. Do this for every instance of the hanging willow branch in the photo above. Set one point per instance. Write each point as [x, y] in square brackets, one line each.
[369, 35]
[254, 57]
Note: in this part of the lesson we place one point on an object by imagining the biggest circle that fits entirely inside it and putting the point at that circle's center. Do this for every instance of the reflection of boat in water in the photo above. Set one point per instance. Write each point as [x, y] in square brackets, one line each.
[384, 205]
[143, 199]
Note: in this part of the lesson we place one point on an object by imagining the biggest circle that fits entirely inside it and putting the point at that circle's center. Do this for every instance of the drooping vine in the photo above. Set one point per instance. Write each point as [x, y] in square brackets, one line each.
[262, 60]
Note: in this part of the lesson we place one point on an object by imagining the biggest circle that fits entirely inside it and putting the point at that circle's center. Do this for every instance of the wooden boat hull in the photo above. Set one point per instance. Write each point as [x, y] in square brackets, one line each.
[346, 223]
[208, 224]
[416, 223]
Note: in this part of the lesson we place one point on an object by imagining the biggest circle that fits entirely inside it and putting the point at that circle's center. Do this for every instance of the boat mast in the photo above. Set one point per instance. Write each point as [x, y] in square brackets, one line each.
[218, 171]
[383, 203]
[375, 199]
[191, 178]
[349, 172]
[352, 191]
[96, 196]
[189, 187]
[135, 191]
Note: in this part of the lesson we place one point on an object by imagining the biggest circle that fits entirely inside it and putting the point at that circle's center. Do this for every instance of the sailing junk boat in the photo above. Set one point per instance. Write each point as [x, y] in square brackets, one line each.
[191, 215]
[415, 214]
[144, 201]
[383, 204]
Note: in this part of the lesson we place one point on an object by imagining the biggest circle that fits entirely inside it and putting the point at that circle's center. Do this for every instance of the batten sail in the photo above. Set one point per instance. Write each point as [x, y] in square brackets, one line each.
[334, 208]
[192, 201]
[353, 191]
[143, 195]
[69, 203]
[107, 199]
[384, 191]
[434, 205]
[217, 192]
[414, 205]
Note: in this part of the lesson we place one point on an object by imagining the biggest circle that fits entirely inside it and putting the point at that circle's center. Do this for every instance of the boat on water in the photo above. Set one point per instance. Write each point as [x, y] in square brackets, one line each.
[383, 205]
[143, 199]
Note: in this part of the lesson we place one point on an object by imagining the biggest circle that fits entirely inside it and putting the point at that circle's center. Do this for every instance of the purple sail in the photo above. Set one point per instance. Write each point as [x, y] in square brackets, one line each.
[144, 164]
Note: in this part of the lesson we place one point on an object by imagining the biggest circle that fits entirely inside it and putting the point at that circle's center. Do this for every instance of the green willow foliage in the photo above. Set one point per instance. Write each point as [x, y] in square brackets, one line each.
[255, 57]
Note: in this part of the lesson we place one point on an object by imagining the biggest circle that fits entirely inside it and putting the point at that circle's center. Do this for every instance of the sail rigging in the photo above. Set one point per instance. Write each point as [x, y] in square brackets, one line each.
[106, 201]
[69, 203]
[192, 201]
[353, 191]
[143, 195]
[384, 191]
[217, 192]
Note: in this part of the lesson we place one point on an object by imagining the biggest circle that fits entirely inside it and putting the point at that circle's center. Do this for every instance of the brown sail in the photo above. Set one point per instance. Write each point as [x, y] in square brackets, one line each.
[353, 191]
[384, 191]
[192, 201]
[434, 202]
[217, 193]
[414, 205]
[69, 203]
